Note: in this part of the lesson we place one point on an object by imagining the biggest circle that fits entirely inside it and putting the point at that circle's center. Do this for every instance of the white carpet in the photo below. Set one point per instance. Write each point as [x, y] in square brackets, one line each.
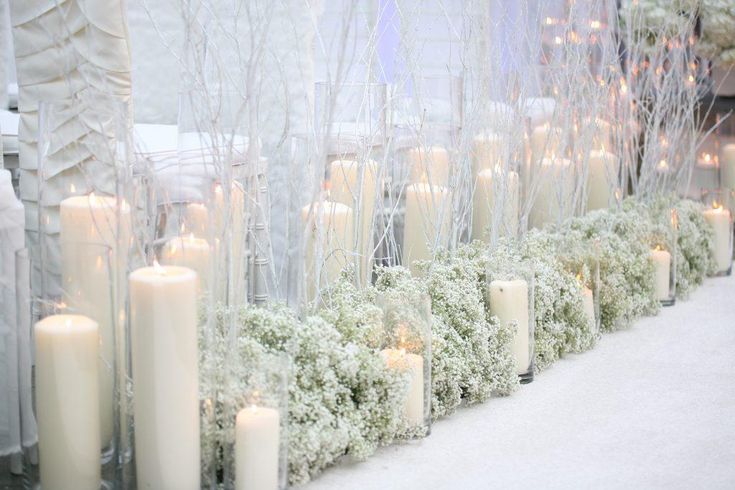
[650, 407]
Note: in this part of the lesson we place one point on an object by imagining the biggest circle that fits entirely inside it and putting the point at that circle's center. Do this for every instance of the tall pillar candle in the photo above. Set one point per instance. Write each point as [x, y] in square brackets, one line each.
[93, 228]
[429, 165]
[427, 222]
[191, 252]
[545, 142]
[485, 200]
[554, 192]
[588, 302]
[719, 219]
[329, 243]
[257, 435]
[727, 166]
[238, 233]
[356, 184]
[163, 324]
[487, 151]
[602, 176]
[509, 302]
[67, 407]
[662, 273]
[413, 366]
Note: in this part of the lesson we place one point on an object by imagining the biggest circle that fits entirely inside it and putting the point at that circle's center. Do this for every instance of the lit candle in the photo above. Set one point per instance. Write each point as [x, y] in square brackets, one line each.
[429, 165]
[487, 151]
[720, 221]
[601, 179]
[257, 436]
[413, 366]
[355, 184]
[427, 222]
[67, 407]
[92, 229]
[163, 324]
[329, 242]
[545, 142]
[196, 220]
[727, 166]
[484, 202]
[554, 193]
[191, 252]
[662, 273]
[509, 303]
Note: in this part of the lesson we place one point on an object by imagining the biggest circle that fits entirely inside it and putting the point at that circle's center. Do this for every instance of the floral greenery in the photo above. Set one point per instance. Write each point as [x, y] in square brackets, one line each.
[717, 41]
[343, 400]
[654, 21]
[561, 324]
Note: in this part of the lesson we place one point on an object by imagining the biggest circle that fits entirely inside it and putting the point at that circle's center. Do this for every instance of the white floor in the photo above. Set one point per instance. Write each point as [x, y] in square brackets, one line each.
[650, 407]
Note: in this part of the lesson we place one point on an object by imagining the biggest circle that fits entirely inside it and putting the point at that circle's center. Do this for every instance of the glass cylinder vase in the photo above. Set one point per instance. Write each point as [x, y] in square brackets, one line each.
[253, 411]
[718, 213]
[81, 258]
[510, 299]
[407, 350]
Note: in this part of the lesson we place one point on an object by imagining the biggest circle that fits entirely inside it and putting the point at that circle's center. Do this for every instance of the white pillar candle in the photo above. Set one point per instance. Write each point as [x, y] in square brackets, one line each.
[427, 222]
[413, 365]
[257, 435]
[329, 242]
[662, 273]
[602, 176]
[487, 151]
[706, 173]
[429, 165]
[588, 302]
[484, 200]
[238, 232]
[509, 302]
[92, 229]
[191, 252]
[727, 166]
[67, 407]
[554, 193]
[719, 219]
[196, 220]
[545, 142]
[355, 184]
[163, 323]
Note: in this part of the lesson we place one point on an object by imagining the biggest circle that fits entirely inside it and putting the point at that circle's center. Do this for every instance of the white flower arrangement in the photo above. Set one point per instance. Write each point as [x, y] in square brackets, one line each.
[344, 401]
[653, 22]
[717, 41]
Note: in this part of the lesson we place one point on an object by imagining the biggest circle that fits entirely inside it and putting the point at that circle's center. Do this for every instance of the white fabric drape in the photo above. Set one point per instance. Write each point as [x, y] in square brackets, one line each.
[17, 424]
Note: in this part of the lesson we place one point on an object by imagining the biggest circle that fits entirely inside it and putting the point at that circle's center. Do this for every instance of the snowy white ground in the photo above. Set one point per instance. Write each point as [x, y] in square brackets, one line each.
[650, 407]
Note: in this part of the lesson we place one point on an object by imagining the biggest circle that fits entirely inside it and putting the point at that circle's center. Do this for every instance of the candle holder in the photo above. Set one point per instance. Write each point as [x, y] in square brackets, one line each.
[351, 138]
[718, 214]
[706, 173]
[81, 247]
[510, 300]
[254, 416]
[407, 349]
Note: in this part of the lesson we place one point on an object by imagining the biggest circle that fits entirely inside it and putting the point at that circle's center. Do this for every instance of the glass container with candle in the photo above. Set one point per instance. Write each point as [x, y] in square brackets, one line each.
[510, 299]
[82, 242]
[407, 349]
[719, 205]
[253, 410]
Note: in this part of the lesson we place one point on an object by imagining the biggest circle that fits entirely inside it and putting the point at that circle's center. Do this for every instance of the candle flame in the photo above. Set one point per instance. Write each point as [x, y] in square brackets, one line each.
[157, 267]
[662, 165]
[658, 248]
[72, 189]
[716, 205]
[182, 228]
[595, 24]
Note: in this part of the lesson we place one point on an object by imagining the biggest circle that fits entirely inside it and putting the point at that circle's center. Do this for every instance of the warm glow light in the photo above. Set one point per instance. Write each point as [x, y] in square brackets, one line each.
[558, 40]
[595, 24]
[157, 267]
[72, 188]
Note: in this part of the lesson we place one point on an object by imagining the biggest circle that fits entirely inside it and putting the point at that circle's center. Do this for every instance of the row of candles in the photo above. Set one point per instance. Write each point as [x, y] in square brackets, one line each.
[75, 376]
[163, 316]
[354, 187]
